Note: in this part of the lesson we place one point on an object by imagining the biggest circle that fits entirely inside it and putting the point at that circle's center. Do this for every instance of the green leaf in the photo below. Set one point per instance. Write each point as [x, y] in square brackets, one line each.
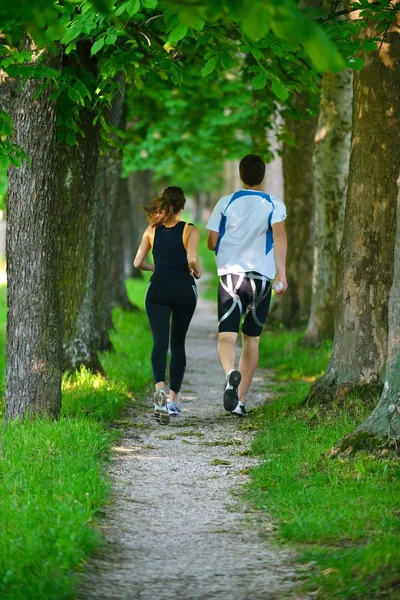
[256, 25]
[356, 63]
[276, 49]
[74, 95]
[72, 34]
[209, 66]
[149, 3]
[70, 138]
[121, 9]
[279, 89]
[257, 53]
[178, 33]
[81, 88]
[15, 161]
[259, 81]
[227, 61]
[133, 7]
[97, 46]
[189, 16]
[111, 39]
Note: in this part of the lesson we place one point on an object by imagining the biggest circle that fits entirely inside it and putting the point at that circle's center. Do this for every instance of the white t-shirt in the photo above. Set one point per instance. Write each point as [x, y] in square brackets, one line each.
[244, 221]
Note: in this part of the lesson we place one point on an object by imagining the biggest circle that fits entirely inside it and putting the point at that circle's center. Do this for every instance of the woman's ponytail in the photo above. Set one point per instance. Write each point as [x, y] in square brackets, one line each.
[162, 210]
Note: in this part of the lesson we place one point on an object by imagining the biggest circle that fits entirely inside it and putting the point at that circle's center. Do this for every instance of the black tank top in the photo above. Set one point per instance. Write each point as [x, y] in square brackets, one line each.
[169, 253]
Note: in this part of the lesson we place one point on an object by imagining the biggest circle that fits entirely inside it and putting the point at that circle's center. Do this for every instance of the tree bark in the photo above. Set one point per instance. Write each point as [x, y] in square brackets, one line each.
[139, 193]
[128, 225]
[365, 269]
[76, 226]
[121, 258]
[109, 173]
[383, 425]
[34, 342]
[293, 307]
[331, 168]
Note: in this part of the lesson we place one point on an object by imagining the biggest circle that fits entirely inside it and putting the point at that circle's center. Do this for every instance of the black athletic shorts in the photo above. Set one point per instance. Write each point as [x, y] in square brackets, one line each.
[247, 296]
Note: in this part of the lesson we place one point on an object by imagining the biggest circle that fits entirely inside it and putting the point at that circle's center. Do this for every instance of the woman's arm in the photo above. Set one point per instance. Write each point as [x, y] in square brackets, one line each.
[192, 251]
[142, 252]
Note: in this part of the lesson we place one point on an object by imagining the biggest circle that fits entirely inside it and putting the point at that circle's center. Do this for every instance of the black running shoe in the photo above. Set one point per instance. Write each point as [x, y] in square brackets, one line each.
[231, 398]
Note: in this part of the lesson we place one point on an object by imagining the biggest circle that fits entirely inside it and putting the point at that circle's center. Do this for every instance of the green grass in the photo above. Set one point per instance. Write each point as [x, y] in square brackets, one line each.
[283, 352]
[52, 480]
[342, 514]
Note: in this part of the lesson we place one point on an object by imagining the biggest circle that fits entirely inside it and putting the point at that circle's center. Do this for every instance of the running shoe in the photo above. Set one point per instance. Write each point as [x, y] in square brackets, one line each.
[239, 411]
[231, 398]
[160, 407]
[174, 408]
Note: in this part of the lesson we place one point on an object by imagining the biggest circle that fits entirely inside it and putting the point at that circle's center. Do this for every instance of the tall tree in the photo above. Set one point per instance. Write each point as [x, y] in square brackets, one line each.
[77, 215]
[108, 178]
[294, 307]
[140, 190]
[383, 425]
[365, 270]
[331, 167]
[34, 342]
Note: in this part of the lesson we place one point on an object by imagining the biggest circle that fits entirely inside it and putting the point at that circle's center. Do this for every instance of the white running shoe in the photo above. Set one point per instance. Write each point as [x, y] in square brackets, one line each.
[174, 408]
[239, 411]
[160, 407]
[231, 398]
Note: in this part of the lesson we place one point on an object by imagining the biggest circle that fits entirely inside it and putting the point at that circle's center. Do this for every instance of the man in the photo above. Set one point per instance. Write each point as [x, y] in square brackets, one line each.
[247, 232]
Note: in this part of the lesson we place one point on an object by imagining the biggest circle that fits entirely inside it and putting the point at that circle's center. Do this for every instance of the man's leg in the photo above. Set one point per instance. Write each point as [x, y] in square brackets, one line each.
[227, 350]
[229, 314]
[248, 363]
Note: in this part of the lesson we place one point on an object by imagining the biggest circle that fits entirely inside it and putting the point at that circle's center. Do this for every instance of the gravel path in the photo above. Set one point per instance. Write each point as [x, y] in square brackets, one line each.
[177, 527]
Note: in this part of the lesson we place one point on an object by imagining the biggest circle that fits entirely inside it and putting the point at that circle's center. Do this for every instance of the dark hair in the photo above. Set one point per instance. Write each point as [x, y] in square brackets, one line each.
[162, 209]
[252, 169]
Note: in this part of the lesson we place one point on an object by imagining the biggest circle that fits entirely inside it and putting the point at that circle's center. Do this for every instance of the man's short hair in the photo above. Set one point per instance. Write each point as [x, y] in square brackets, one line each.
[252, 169]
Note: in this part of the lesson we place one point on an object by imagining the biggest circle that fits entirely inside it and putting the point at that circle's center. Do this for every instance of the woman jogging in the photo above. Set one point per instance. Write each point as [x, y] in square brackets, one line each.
[172, 295]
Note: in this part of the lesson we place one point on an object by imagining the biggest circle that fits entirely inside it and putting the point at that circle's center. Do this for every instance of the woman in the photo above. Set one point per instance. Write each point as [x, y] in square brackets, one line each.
[172, 295]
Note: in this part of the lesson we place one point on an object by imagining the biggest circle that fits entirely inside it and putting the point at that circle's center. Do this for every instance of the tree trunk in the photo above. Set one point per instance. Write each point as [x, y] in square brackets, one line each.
[331, 168]
[365, 270]
[139, 192]
[383, 425]
[293, 307]
[76, 226]
[109, 173]
[120, 240]
[34, 342]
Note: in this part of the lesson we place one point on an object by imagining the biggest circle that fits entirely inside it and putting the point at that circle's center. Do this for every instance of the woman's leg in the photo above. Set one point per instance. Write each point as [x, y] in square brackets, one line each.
[159, 318]
[181, 317]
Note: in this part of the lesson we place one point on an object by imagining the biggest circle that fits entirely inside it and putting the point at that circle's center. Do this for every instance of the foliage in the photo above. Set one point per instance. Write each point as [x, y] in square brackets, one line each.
[342, 514]
[143, 39]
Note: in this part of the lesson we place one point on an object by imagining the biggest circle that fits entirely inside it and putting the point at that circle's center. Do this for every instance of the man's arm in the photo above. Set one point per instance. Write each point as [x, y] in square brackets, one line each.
[280, 251]
[212, 240]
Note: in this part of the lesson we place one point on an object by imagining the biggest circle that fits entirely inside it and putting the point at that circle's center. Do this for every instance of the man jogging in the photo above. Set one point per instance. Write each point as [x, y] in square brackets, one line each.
[247, 232]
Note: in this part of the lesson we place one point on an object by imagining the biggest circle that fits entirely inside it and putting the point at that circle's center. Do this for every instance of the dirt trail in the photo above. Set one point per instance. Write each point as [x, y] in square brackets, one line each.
[177, 527]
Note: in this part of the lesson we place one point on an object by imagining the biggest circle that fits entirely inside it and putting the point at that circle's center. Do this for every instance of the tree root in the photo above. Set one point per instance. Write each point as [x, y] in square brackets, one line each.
[326, 391]
[360, 439]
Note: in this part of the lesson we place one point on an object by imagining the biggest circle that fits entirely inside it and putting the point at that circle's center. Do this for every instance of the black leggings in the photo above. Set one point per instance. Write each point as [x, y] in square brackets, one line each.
[168, 297]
